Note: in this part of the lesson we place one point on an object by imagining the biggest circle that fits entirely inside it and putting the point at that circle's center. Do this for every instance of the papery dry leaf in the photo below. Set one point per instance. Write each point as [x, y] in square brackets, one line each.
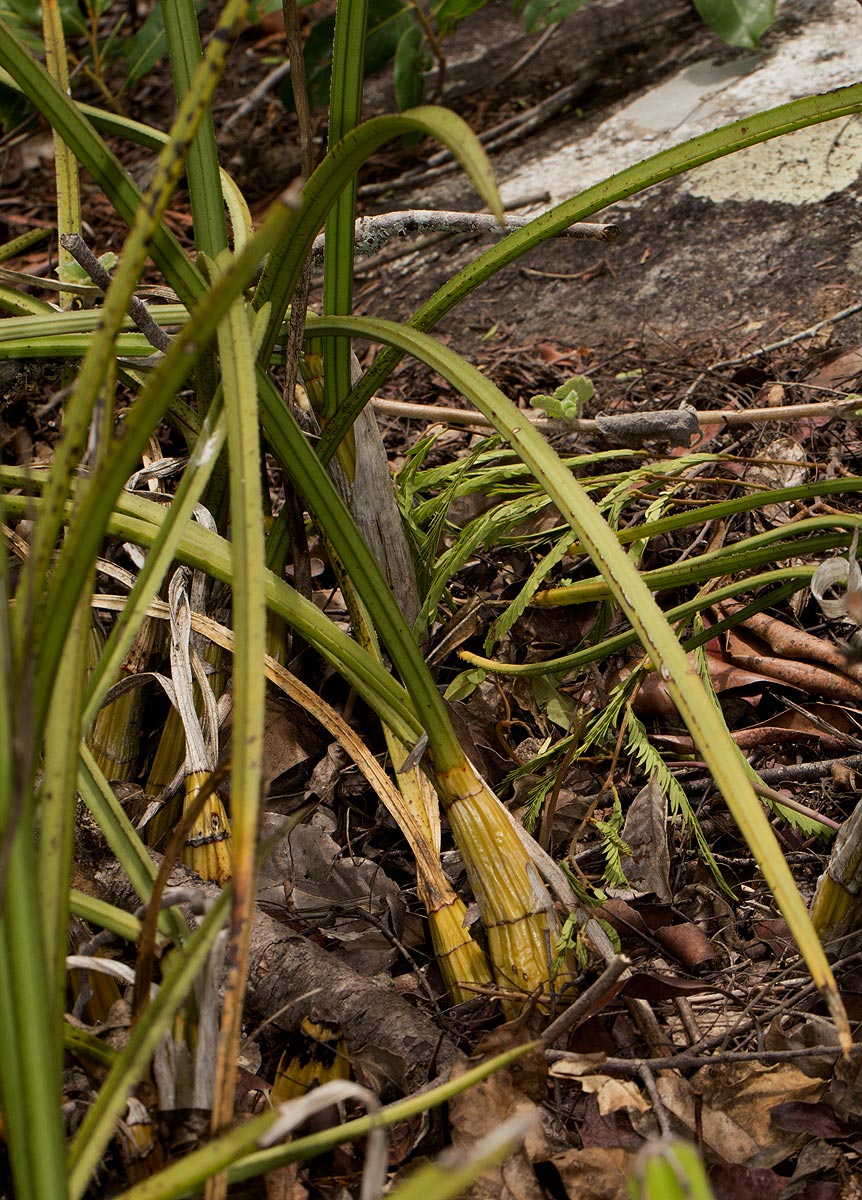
[813, 1162]
[647, 868]
[614, 1094]
[775, 395]
[576, 1065]
[805, 676]
[838, 372]
[480, 1110]
[687, 943]
[615, 1129]
[818, 1120]
[653, 697]
[720, 1133]
[838, 573]
[596, 1173]
[745, 1093]
[781, 464]
[307, 875]
[845, 1091]
[801, 1034]
[288, 740]
[784, 729]
[789, 642]
[731, 1181]
[623, 918]
[652, 987]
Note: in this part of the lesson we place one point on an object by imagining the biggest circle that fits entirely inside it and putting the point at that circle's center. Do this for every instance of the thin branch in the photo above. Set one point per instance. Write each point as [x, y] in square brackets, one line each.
[692, 1062]
[730, 418]
[258, 93]
[138, 311]
[373, 234]
[788, 341]
[593, 998]
[659, 1109]
[511, 130]
[527, 57]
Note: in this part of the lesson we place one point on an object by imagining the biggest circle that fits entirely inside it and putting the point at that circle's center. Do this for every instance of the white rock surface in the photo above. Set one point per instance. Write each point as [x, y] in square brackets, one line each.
[802, 168]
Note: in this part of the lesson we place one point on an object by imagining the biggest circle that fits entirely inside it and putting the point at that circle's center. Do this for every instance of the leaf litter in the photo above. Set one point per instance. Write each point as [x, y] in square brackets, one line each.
[737, 1058]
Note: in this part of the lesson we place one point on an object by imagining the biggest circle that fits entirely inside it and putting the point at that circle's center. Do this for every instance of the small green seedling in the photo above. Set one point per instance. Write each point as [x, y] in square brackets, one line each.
[568, 400]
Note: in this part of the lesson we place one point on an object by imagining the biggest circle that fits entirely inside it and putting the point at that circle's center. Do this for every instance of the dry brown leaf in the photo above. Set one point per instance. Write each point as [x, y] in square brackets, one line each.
[791, 1033]
[721, 1134]
[611, 1094]
[653, 697]
[746, 652]
[288, 739]
[479, 1111]
[790, 642]
[647, 868]
[745, 1093]
[780, 465]
[307, 875]
[785, 728]
[575, 1065]
[687, 943]
[845, 1090]
[730, 1181]
[837, 373]
[624, 919]
[597, 1173]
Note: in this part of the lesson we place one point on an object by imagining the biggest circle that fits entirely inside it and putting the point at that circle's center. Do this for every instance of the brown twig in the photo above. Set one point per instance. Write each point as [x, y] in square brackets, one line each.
[138, 311]
[373, 234]
[260, 91]
[501, 135]
[728, 417]
[595, 995]
[810, 771]
[811, 331]
[693, 1062]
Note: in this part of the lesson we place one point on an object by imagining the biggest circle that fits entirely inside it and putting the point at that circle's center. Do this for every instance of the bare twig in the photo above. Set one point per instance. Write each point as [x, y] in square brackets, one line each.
[306, 152]
[527, 57]
[692, 1062]
[809, 771]
[257, 93]
[594, 995]
[645, 1072]
[138, 311]
[811, 331]
[501, 135]
[730, 418]
[372, 234]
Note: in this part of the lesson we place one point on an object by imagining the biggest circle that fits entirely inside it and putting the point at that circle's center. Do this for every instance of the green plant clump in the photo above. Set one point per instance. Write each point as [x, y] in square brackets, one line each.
[204, 362]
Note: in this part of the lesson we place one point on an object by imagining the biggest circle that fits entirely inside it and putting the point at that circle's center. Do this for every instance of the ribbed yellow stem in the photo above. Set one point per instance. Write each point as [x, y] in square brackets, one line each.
[460, 959]
[520, 922]
[207, 849]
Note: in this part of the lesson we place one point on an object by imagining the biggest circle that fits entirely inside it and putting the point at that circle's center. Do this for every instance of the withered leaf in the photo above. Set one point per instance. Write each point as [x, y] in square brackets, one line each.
[645, 831]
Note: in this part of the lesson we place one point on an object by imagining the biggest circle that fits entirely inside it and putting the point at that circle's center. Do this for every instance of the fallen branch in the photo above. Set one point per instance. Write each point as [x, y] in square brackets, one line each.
[663, 424]
[138, 311]
[511, 130]
[811, 331]
[373, 234]
[394, 1047]
[687, 1062]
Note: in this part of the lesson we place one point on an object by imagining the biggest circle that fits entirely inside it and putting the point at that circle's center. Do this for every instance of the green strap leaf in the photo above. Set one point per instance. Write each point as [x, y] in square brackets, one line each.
[663, 648]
